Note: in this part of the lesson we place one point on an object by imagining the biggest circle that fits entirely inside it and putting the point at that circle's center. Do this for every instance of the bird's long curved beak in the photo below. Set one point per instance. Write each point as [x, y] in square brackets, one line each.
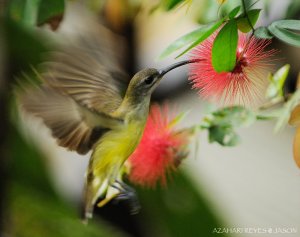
[163, 71]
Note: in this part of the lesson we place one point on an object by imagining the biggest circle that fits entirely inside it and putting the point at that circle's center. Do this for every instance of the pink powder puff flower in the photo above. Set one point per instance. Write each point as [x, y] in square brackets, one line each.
[160, 151]
[245, 84]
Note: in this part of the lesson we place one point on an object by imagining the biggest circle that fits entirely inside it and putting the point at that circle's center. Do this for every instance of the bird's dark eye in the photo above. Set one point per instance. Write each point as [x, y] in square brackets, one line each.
[149, 80]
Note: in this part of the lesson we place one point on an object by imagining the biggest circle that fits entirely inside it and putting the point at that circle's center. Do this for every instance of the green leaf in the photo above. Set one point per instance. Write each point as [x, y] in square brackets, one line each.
[224, 135]
[51, 12]
[203, 34]
[243, 23]
[224, 48]
[275, 88]
[235, 115]
[287, 24]
[183, 41]
[263, 33]
[234, 12]
[286, 111]
[282, 30]
[221, 123]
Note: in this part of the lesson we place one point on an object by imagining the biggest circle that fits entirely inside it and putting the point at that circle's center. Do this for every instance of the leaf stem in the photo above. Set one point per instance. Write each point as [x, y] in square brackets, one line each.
[247, 16]
[252, 33]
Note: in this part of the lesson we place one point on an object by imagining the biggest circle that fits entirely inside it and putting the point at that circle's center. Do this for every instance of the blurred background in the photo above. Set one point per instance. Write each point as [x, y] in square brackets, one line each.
[252, 185]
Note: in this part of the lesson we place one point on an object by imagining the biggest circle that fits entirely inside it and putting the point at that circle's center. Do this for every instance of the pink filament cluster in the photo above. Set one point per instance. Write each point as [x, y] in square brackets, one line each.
[245, 84]
[156, 154]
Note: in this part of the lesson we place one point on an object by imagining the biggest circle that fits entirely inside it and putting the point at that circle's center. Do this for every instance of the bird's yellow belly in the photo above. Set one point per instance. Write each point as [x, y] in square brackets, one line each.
[114, 148]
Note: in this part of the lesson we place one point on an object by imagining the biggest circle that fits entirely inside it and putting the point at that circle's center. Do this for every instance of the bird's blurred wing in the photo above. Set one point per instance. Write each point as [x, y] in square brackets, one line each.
[74, 126]
[90, 72]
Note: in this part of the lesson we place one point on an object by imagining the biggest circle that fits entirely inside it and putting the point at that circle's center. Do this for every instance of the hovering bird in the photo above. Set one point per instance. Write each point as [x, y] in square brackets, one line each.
[88, 103]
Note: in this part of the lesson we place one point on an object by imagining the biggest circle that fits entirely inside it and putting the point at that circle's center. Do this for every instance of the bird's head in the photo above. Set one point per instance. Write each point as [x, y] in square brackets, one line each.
[145, 81]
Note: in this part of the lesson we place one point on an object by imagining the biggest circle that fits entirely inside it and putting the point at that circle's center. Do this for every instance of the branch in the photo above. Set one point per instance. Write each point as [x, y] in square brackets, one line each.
[247, 16]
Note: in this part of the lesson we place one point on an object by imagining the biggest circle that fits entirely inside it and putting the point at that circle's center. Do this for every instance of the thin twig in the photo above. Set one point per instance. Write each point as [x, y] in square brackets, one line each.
[272, 103]
[252, 34]
[247, 16]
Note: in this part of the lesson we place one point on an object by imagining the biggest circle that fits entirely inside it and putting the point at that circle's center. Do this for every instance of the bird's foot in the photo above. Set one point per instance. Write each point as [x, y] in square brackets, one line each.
[127, 193]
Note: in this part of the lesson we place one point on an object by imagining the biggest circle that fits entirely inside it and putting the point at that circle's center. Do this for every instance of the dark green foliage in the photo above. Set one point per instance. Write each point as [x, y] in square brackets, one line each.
[34, 209]
[25, 53]
[23, 11]
[177, 210]
[49, 9]
[34, 12]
